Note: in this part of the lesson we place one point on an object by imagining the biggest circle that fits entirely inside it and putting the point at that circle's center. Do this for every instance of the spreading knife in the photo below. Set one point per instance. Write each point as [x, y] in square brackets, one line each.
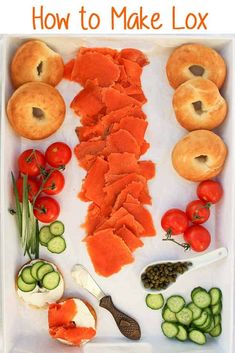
[127, 325]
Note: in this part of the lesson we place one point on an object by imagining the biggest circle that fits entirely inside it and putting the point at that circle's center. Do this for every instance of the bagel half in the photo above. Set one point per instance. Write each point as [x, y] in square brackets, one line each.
[195, 60]
[35, 61]
[199, 156]
[198, 105]
[36, 110]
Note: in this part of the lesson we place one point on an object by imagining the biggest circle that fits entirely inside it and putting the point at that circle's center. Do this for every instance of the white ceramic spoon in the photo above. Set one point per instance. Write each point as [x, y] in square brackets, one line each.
[197, 262]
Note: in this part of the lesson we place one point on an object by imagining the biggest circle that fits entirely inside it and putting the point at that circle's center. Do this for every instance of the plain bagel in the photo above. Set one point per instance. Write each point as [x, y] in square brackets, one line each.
[193, 60]
[36, 110]
[198, 105]
[35, 61]
[200, 155]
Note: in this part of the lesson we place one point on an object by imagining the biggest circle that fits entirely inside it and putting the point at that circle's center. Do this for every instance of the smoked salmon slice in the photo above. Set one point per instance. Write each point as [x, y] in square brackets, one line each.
[68, 69]
[95, 66]
[121, 141]
[114, 100]
[93, 186]
[134, 55]
[129, 238]
[147, 169]
[73, 334]
[142, 215]
[108, 252]
[62, 313]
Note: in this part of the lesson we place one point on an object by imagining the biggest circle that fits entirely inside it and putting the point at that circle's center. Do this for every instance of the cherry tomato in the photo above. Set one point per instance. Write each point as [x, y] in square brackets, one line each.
[46, 209]
[54, 183]
[175, 221]
[197, 237]
[198, 211]
[210, 191]
[58, 154]
[33, 188]
[30, 162]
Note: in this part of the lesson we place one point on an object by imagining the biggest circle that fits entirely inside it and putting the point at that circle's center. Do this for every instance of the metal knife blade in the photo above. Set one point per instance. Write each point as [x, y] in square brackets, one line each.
[83, 278]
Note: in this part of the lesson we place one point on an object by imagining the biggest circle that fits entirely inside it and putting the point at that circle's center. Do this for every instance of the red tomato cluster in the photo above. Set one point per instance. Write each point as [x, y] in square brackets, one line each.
[42, 179]
[176, 221]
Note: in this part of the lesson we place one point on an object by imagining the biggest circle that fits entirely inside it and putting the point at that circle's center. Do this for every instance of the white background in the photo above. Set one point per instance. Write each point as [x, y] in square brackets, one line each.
[16, 15]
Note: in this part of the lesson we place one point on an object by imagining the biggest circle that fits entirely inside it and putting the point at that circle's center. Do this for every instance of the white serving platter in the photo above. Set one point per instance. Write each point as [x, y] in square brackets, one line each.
[25, 329]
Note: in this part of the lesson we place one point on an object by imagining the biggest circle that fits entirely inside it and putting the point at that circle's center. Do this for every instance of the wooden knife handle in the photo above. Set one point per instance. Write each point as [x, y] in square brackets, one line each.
[127, 326]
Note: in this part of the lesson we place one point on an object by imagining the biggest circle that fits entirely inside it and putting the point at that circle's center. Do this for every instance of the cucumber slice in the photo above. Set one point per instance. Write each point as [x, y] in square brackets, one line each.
[168, 315]
[26, 275]
[201, 320]
[216, 295]
[51, 280]
[202, 299]
[182, 334]
[217, 319]
[216, 309]
[35, 268]
[197, 337]
[212, 325]
[216, 331]
[24, 287]
[45, 235]
[57, 228]
[43, 270]
[56, 245]
[154, 301]
[169, 329]
[195, 290]
[195, 310]
[185, 316]
[175, 303]
[207, 323]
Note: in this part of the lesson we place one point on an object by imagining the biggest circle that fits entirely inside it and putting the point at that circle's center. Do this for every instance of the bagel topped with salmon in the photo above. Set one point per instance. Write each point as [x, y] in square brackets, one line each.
[72, 321]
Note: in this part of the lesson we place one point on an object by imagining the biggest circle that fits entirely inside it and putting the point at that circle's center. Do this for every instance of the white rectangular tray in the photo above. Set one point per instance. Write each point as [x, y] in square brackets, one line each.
[25, 329]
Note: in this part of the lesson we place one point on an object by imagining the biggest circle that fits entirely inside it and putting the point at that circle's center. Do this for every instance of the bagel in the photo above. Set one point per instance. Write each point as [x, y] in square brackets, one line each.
[198, 105]
[193, 60]
[72, 321]
[35, 61]
[36, 110]
[200, 155]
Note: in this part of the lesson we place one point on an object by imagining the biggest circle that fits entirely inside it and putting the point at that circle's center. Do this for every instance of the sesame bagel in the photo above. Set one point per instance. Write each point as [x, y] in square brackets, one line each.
[199, 155]
[35, 61]
[198, 104]
[36, 110]
[195, 60]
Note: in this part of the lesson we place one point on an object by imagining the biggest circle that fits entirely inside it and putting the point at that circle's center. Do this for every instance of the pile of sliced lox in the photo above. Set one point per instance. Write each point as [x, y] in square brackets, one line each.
[110, 149]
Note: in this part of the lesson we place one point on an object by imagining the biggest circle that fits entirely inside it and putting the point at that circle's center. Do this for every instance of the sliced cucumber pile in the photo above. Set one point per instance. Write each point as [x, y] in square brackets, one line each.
[52, 237]
[193, 321]
[40, 274]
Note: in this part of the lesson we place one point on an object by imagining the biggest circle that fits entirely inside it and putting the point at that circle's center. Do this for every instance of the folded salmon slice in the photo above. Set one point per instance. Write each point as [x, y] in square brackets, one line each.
[114, 189]
[147, 169]
[88, 103]
[130, 239]
[142, 215]
[95, 66]
[134, 55]
[73, 334]
[68, 69]
[112, 53]
[114, 100]
[133, 72]
[136, 127]
[121, 141]
[93, 147]
[122, 163]
[61, 313]
[93, 185]
[108, 252]
[134, 188]
[93, 219]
